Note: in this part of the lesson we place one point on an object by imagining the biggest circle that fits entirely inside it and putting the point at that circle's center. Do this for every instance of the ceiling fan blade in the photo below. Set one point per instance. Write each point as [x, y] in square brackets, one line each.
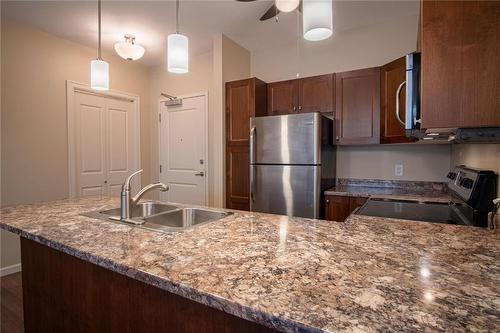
[246, 0]
[271, 12]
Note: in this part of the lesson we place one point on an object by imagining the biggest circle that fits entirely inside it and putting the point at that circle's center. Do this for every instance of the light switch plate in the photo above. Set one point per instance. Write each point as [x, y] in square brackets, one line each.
[398, 170]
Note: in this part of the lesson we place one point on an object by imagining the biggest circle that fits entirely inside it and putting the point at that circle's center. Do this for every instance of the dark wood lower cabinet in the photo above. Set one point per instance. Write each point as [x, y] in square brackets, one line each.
[62, 293]
[338, 208]
[237, 178]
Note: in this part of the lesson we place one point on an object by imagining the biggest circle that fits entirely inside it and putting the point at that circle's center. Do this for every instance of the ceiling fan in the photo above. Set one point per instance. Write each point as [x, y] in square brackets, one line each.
[274, 10]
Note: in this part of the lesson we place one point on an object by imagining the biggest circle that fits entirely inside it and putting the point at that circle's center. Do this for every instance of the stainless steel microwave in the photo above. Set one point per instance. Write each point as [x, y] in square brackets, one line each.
[413, 120]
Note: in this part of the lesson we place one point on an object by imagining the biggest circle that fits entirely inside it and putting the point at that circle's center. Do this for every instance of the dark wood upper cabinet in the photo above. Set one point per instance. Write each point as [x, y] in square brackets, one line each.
[392, 79]
[310, 94]
[460, 42]
[282, 97]
[316, 94]
[357, 111]
[244, 99]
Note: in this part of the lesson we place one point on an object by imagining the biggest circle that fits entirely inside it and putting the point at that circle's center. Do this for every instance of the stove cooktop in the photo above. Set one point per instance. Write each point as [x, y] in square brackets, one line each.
[417, 211]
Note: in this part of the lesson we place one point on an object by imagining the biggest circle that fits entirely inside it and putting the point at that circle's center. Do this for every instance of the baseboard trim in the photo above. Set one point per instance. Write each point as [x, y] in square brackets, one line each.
[10, 270]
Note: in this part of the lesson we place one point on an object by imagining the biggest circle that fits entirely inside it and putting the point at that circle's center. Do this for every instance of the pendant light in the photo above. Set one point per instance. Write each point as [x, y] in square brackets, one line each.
[317, 19]
[177, 48]
[99, 69]
[128, 49]
[286, 6]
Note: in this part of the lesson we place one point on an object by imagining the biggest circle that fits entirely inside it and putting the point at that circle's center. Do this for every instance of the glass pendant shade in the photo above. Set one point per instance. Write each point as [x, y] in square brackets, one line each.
[317, 19]
[177, 54]
[99, 74]
[287, 5]
[128, 49]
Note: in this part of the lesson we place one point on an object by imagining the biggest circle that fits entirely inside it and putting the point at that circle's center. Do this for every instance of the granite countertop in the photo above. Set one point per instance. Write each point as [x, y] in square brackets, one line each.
[398, 190]
[297, 275]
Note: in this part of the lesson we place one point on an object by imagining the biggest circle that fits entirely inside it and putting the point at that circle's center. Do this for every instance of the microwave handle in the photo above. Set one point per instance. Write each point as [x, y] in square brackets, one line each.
[398, 107]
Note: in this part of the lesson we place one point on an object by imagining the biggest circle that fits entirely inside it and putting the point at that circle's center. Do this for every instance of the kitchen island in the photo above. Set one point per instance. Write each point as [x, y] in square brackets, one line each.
[282, 273]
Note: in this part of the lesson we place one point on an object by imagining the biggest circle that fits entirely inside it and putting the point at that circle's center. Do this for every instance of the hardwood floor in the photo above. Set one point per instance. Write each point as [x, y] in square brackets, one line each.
[11, 308]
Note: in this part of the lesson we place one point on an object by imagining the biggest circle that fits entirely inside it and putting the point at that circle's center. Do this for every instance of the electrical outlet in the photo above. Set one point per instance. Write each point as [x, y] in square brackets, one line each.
[398, 170]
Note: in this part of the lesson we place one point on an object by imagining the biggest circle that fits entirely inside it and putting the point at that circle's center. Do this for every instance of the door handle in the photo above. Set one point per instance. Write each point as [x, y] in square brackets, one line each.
[253, 132]
[201, 174]
[398, 92]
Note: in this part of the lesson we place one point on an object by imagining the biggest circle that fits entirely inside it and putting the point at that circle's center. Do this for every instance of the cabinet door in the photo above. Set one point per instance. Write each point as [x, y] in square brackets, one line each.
[237, 182]
[357, 111]
[240, 106]
[355, 202]
[392, 79]
[316, 94]
[460, 66]
[282, 97]
[336, 208]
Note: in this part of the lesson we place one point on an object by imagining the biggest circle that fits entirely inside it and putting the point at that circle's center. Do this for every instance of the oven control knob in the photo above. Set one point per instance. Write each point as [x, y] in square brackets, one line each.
[451, 175]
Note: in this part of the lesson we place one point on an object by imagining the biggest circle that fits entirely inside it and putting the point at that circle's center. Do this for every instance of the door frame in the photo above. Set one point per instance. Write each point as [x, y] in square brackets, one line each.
[207, 159]
[72, 87]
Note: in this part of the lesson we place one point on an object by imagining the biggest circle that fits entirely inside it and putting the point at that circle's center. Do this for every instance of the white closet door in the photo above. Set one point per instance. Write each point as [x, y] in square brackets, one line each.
[90, 143]
[106, 144]
[122, 144]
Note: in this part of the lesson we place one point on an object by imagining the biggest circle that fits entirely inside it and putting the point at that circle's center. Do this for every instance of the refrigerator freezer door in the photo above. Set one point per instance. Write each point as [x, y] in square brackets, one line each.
[289, 139]
[292, 190]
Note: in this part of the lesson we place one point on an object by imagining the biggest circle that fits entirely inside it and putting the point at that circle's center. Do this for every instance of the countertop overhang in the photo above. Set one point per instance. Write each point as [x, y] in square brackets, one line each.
[294, 274]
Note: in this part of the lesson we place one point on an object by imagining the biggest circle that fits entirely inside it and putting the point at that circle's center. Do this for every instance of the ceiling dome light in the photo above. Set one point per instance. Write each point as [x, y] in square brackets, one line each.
[99, 69]
[128, 49]
[177, 48]
[287, 5]
[317, 19]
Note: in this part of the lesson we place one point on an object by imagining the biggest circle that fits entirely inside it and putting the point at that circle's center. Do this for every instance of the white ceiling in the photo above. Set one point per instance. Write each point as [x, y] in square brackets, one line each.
[152, 21]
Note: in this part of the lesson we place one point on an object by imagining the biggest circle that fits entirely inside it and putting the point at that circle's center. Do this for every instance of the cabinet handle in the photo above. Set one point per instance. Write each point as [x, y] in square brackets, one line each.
[300, 107]
[201, 174]
[294, 108]
[398, 92]
[327, 201]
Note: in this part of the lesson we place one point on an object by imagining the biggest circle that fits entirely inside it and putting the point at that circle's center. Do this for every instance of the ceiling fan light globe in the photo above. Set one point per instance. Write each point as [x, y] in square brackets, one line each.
[128, 50]
[317, 19]
[287, 5]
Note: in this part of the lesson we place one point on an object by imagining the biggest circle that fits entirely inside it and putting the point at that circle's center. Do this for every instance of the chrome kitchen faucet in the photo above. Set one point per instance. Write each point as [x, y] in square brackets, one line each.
[128, 202]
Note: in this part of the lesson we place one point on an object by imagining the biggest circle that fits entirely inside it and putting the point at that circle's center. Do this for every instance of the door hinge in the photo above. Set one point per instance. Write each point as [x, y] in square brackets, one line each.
[159, 117]
[161, 168]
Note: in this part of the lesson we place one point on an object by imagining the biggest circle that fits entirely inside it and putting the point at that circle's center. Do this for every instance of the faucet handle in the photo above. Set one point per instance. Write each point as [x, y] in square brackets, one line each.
[126, 185]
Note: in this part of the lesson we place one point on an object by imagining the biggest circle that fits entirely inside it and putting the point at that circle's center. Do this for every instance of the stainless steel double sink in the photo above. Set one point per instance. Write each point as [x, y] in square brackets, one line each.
[162, 217]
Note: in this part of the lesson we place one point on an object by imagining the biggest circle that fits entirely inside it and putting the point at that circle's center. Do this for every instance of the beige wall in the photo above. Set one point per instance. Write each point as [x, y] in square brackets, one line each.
[483, 156]
[420, 162]
[364, 47]
[35, 67]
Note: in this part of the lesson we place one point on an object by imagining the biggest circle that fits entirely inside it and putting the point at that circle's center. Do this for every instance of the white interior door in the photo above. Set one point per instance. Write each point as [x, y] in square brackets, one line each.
[183, 151]
[106, 141]
[122, 144]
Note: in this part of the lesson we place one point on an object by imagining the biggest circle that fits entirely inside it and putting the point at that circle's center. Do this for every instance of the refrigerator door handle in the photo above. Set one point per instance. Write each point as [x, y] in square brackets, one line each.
[252, 171]
[253, 132]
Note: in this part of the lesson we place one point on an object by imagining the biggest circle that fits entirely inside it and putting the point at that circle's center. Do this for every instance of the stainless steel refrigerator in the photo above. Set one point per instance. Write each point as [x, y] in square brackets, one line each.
[292, 161]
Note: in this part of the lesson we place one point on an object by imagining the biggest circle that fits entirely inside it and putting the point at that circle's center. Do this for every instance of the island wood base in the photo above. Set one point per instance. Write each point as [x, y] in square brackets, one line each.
[62, 293]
